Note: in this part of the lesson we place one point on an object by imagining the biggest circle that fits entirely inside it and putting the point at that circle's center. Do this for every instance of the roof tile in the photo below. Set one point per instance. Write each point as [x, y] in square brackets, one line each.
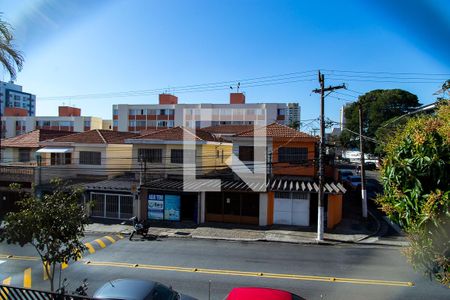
[32, 139]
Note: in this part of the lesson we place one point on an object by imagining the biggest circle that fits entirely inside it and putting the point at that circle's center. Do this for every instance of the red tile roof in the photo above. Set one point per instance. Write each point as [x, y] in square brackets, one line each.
[32, 139]
[177, 134]
[227, 129]
[276, 130]
[96, 136]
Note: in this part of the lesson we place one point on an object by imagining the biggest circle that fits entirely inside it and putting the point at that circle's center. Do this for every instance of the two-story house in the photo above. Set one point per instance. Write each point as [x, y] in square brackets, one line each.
[19, 163]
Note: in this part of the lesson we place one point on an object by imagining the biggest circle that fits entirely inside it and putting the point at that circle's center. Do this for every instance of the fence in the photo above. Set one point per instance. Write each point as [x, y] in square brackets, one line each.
[13, 293]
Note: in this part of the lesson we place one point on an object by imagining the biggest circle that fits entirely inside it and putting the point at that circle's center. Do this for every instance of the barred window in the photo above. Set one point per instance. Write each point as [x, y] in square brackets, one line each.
[292, 155]
[90, 158]
[150, 155]
[246, 153]
[176, 156]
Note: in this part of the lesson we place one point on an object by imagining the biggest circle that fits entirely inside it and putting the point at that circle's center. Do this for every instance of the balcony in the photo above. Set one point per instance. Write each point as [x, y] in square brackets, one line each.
[17, 173]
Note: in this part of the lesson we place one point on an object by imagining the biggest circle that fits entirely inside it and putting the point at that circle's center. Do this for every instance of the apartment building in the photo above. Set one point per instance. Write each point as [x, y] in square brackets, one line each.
[169, 113]
[293, 114]
[12, 96]
[15, 122]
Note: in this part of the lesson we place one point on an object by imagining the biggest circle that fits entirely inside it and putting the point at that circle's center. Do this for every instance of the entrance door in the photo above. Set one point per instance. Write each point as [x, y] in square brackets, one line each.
[232, 207]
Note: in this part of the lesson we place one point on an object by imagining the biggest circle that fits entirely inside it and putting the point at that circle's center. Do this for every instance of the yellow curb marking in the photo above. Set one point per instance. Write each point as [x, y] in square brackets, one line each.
[46, 267]
[4, 293]
[101, 243]
[119, 236]
[27, 278]
[90, 248]
[255, 274]
[110, 239]
[64, 265]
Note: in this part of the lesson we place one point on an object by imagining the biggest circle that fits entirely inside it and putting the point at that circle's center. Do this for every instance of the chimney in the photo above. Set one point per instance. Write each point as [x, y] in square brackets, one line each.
[15, 112]
[168, 99]
[237, 98]
[68, 111]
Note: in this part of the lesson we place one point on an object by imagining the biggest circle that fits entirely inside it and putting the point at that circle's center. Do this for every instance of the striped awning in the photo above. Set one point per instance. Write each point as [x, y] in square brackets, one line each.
[276, 185]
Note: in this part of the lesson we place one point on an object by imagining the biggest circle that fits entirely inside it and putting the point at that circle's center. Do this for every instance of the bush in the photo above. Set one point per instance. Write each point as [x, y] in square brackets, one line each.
[415, 177]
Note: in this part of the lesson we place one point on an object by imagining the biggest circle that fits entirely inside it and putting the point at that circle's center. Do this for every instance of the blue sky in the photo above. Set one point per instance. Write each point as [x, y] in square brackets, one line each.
[90, 47]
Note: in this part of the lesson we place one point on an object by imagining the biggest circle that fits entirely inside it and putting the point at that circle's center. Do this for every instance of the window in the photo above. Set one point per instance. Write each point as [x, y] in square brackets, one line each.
[132, 123]
[292, 155]
[246, 153]
[90, 158]
[176, 156]
[87, 123]
[161, 124]
[132, 112]
[150, 155]
[281, 111]
[61, 159]
[115, 112]
[24, 155]
[162, 112]
[151, 112]
[115, 123]
[141, 123]
[171, 112]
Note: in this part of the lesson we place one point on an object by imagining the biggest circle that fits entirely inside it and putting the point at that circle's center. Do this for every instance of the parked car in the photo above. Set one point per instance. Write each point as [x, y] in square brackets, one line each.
[370, 166]
[253, 293]
[343, 174]
[136, 289]
[354, 182]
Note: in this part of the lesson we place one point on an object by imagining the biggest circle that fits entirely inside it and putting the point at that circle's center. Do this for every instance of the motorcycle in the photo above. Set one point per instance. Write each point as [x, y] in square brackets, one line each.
[139, 227]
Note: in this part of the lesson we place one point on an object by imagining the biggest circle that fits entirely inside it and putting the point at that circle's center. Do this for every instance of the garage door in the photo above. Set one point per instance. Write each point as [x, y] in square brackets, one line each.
[291, 209]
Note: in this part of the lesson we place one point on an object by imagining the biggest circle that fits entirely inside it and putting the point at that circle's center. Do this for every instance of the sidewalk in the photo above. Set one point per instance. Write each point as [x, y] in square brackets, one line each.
[247, 233]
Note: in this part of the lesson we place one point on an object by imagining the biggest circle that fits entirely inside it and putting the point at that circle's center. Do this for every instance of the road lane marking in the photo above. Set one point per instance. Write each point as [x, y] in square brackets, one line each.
[101, 243]
[254, 274]
[18, 257]
[110, 239]
[90, 248]
[2, 261]
[27, 278]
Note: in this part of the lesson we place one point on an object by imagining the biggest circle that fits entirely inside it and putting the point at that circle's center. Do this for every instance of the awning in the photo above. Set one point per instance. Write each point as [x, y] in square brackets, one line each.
[55, 150]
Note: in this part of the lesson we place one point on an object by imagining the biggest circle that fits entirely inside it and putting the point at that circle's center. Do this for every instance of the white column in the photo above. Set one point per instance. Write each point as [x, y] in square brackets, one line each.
[202, 207]
[263, 200]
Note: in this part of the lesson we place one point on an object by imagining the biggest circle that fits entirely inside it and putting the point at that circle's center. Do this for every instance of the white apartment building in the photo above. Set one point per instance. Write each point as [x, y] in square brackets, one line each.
[293, 113]
[168, 113]
[69, 119]
[11, 95]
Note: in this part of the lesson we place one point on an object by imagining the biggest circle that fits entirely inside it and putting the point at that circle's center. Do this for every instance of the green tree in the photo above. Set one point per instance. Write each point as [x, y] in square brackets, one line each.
[54, 225]
[10, 58]
[416, 181]
[295, 125]
[378, 107]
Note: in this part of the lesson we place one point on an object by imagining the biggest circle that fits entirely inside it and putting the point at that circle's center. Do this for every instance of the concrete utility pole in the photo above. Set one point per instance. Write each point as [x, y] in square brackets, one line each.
[363, 171]
[321, 202]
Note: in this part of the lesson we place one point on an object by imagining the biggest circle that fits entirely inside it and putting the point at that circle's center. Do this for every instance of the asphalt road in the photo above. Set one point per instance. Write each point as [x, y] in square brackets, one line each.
[312, 271]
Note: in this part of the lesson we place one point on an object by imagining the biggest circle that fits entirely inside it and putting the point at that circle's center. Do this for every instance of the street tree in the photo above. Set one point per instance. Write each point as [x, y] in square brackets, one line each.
[53, 224]
[10, 58]
[378, 107]
[416, 180]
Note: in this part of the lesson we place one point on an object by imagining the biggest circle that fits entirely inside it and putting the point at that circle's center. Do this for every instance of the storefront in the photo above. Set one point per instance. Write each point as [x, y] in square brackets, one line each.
[232, 207]
[171, 206]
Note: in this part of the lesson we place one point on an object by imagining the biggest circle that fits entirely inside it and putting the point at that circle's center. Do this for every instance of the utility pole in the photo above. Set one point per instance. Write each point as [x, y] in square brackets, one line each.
[321, 202]
[363, 171]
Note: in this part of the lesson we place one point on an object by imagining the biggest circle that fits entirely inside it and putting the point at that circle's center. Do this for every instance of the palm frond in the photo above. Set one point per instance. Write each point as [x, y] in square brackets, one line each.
[10, 58]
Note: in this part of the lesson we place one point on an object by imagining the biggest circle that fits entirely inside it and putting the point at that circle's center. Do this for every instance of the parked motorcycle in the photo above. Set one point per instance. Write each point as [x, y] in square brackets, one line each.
[139, 227]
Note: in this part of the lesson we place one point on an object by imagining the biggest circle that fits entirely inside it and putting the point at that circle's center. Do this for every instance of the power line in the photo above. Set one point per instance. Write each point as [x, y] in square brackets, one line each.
[385, 72]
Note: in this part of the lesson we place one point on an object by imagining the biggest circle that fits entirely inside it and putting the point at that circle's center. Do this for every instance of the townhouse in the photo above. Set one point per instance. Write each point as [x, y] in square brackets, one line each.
[18, 163]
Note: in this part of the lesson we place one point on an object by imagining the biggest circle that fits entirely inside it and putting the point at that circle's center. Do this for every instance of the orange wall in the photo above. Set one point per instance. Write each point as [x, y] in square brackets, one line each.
[16, 112]
[168, 99]
[292, 169]
[334, 214]
[68, 111]
[237, 98]
[270, 203]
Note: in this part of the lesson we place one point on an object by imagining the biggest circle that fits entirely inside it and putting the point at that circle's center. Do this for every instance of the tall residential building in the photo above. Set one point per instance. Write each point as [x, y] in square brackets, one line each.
[12, 96]
[293, 113]
[68, 119]
[169, 113]
[342, 116]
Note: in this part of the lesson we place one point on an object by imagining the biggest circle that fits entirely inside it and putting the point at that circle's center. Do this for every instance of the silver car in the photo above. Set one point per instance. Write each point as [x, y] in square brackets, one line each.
[136, 289]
